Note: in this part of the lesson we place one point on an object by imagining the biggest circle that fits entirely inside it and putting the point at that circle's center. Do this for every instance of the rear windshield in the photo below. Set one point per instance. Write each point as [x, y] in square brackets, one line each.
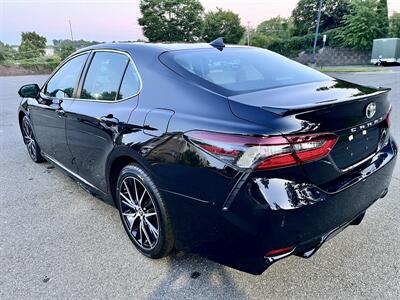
[240, 69]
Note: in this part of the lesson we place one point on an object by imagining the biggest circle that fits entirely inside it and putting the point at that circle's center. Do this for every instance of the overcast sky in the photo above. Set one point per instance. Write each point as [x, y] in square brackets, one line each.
[109, 20]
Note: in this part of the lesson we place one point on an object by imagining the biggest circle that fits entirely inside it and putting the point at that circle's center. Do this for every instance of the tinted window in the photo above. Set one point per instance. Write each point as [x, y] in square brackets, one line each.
[63, 82]
[104, 76]
[241, 69]
[130, 84]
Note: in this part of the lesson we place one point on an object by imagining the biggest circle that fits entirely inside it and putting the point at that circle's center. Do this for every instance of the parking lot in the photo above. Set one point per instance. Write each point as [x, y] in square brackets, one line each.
[57, 241]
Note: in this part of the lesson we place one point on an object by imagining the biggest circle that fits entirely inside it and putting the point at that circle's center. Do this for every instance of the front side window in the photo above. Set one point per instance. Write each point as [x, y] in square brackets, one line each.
[104, 76]
[63, 82]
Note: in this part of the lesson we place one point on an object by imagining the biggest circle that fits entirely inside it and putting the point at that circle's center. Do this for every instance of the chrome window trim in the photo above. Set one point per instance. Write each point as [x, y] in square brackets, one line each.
[72, 56]
[120, 100]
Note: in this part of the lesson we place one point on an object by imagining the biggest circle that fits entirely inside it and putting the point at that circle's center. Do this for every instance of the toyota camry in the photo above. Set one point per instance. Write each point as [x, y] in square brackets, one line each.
[235, 153]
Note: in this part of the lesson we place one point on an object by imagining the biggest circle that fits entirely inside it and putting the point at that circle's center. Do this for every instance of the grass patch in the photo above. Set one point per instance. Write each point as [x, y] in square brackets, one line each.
[352, 69]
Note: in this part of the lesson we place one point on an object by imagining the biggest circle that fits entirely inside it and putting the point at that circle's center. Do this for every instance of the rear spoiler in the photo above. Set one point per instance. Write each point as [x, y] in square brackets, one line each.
[289, 110]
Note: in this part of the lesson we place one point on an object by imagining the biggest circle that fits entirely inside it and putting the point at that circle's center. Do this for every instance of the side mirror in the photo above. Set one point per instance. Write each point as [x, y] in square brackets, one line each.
[29, 91]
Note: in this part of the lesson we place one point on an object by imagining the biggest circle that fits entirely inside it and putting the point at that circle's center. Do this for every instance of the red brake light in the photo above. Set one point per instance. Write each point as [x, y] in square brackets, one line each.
[264, 152]
[279, 251]
[387, 120]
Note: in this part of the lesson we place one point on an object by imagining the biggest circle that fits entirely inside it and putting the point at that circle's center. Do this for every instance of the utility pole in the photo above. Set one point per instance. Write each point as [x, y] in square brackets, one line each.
[316, 32]
[70, 30]
[248, 33]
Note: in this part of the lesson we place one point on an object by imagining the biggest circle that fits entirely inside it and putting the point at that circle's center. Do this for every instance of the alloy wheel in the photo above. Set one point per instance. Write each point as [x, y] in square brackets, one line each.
[29, 139]
[139, 213]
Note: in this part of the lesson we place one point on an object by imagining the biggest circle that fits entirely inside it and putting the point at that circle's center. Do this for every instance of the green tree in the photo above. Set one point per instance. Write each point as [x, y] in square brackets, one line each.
[6, 52]
[258, 39]
[382, 11]
[276, 27]
[171, 20]
[394, 27]
[32, 45]
[362, 25]
[77, 44]
[305, 15]
[66, 50]
[222, 23]
[250, 32]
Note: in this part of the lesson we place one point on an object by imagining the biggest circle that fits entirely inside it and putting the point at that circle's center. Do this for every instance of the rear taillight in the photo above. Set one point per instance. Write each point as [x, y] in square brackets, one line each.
[387, 119]
[264, 152]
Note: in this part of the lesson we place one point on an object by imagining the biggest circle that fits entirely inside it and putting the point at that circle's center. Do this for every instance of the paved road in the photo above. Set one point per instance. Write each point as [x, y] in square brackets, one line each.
[57, 241]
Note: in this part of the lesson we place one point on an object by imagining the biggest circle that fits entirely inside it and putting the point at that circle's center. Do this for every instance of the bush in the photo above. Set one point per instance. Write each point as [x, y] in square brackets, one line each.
[40, 64]
[66, 50]
[6, 52]
[291, 47]
[259, 39]
[333, 38]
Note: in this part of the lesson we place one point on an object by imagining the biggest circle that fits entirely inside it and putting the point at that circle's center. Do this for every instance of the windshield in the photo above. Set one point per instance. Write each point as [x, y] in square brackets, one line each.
[240, 69]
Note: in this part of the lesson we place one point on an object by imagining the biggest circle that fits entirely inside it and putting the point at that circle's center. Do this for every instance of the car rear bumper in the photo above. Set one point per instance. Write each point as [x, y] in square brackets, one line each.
[299, 217]
[273, 210]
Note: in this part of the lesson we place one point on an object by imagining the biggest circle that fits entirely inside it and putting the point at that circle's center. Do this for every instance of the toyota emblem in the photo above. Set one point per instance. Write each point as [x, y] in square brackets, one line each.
[370, 110]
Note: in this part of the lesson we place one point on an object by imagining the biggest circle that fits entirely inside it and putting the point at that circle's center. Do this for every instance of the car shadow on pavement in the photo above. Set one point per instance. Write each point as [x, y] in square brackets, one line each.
[191, 276]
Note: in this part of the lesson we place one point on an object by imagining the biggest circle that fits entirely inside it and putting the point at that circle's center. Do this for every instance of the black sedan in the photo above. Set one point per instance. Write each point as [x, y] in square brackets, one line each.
[234, 153]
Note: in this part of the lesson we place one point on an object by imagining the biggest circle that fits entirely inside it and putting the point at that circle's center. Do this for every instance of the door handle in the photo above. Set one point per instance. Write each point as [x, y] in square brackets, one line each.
[109, 120]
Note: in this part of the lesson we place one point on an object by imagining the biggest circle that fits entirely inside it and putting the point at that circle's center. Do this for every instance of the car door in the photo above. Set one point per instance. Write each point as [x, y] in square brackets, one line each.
[48, 112]
[107, 96]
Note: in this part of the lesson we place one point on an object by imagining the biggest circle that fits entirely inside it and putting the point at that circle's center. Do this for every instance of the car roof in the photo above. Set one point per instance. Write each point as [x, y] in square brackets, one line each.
[160, 47]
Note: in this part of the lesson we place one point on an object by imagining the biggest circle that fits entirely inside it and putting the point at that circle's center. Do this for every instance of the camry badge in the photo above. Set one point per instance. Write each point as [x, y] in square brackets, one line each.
[370, 110]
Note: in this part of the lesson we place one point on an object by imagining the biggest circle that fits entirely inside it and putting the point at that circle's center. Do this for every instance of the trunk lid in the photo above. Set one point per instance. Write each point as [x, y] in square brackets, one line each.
[338, 107]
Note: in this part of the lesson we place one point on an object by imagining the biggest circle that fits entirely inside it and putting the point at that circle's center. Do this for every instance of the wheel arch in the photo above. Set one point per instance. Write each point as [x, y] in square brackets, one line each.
[21, 115]
[117, 160]
[23, 110]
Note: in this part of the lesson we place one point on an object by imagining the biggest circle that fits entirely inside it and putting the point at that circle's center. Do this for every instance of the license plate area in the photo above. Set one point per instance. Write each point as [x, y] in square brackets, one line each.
[354, 146]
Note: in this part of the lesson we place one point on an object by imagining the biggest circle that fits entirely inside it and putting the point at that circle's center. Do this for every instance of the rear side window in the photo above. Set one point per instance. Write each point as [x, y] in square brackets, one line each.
[63, 82]
[104, 76]
[239, 70]
[130, 84]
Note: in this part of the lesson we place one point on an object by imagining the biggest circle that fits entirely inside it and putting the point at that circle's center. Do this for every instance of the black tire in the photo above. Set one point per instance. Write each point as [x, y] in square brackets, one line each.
[30, 141]
[139, 213]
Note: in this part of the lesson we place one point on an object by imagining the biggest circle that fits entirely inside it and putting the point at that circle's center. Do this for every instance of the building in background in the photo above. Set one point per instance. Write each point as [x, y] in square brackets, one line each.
[49, 51]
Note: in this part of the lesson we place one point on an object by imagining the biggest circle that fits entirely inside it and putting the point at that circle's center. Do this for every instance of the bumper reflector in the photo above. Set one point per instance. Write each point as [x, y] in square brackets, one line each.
[280, 251]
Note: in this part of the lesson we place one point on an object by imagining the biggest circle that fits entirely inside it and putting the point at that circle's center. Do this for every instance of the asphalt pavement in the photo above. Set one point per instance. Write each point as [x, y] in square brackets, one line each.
[59, 242]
